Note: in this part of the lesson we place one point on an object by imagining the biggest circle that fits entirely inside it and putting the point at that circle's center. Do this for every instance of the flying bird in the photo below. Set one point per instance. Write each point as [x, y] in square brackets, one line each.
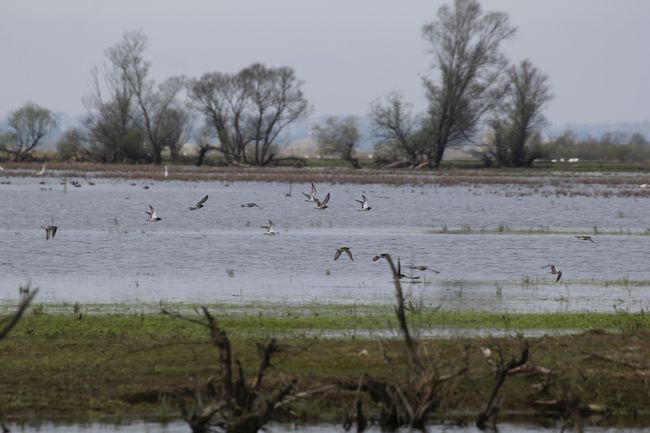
[311, 197]
[153, 217]
[270, 229]
[555, 271]
[322, 204]
[585, 238]
[400, 275]
[50, 231]
[249, 205]
[423, 268]
[41, 172]
[364, 204]
[342, 250]
[200, 203]
[379, 256]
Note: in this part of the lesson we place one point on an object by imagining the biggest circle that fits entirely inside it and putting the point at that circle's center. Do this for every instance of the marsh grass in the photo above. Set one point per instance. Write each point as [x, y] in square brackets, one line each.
[119, 366]
[253, 319]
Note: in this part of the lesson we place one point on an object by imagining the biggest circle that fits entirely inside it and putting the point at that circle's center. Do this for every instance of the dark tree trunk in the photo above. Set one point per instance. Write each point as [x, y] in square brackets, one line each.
[203, 150]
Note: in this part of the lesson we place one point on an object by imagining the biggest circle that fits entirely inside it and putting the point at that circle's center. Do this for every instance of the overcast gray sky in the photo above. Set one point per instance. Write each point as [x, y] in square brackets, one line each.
[348, 52]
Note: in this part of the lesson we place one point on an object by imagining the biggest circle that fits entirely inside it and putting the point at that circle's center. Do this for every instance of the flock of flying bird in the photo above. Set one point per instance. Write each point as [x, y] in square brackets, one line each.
[311, 197]
[50, 230]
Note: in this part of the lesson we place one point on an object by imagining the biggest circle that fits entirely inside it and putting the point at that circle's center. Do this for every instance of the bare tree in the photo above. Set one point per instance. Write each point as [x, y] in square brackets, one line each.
[338, 137]
[29, 124]
[249, 110]
[276, 100]
[519, 117]
[222, 100]
[160, 114]
[399, 127]
[112, 132]
[464, 42]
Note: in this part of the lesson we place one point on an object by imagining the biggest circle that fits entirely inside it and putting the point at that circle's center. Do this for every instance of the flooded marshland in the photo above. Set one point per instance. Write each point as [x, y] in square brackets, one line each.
[490, 244]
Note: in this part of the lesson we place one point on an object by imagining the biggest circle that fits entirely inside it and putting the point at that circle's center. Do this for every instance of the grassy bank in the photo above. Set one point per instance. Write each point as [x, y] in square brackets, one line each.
[113, 367]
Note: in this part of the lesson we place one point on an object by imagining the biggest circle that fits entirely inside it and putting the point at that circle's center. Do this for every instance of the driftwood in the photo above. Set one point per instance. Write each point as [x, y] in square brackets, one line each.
[234, 406]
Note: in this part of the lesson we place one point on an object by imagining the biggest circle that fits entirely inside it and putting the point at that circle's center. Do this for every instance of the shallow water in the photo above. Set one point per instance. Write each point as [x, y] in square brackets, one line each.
[105, 251]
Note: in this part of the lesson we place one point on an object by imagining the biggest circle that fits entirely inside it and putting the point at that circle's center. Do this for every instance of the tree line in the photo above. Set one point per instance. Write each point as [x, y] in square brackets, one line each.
[471, 89]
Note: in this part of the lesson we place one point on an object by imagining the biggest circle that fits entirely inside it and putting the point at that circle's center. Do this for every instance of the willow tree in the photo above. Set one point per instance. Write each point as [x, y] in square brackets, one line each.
[402, 132]
[29, 124]
[467, 61]
[160, 113]
[519, 116]
[338, 137]
[249, 110]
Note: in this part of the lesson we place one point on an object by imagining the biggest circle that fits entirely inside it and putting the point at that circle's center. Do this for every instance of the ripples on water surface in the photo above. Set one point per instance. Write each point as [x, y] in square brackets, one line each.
[105, 251]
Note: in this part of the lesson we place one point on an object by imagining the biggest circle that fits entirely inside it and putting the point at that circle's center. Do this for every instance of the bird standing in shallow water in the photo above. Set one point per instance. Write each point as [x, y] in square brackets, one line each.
[50, 231]
[199, 205]
[342, 250]
[153, 216]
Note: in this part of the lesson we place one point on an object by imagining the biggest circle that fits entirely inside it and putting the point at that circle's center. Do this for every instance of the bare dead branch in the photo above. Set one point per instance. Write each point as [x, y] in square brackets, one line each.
[502, 371]
[24, 303]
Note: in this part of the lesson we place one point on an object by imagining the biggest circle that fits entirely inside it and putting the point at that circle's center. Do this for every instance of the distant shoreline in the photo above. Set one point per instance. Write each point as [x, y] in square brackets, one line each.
[568, 179]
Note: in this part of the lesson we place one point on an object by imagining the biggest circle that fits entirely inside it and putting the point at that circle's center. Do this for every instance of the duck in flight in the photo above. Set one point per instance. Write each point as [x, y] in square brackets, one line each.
[342, 250]
[585, 238]
[311, 197]
[270, 229]
[322, 204]
[153, 216]
[249, 205]
[364, 204]
[50, 231]
[200, 203]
